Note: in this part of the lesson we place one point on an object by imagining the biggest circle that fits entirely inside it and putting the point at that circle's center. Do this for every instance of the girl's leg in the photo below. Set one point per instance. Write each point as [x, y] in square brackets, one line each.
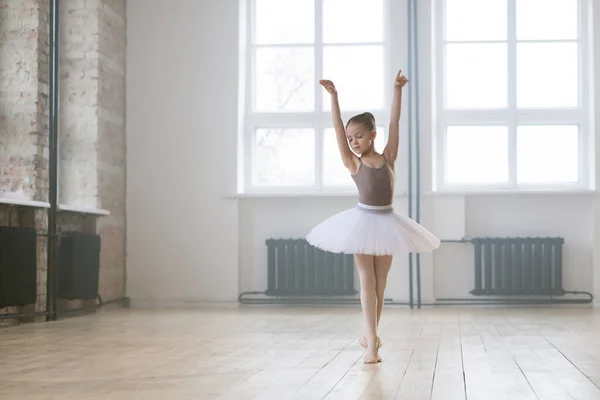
[368, 300]
[382, 268]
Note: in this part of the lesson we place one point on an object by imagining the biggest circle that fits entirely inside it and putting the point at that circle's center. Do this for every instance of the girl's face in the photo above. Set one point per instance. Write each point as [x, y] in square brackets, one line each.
[360, 138]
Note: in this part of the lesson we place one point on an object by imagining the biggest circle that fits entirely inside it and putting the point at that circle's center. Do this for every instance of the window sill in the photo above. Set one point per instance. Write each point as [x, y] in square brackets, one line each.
[291, 194]
[436, 193]
[83, 210]
[512, 192]
[61, 207]
[25, 203]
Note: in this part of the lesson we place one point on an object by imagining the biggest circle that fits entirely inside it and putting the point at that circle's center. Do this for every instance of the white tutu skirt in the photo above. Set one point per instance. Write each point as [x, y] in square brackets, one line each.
[372, 230]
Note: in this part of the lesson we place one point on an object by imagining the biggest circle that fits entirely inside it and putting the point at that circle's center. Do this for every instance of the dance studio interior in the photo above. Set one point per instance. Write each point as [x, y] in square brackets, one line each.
[164, 162]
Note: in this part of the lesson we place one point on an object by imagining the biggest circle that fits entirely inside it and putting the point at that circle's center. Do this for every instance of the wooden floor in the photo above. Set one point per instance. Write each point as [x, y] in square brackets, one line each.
[303, 353]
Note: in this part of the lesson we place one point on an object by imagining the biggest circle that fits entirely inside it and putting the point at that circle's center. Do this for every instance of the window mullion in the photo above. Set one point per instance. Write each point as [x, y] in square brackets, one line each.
[586, 123]
[439, 93]
[318, 68]
[512, 91]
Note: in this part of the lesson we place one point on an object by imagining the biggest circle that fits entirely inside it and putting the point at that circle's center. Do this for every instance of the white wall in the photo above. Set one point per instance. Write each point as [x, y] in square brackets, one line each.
[181, 150]
[184, 236]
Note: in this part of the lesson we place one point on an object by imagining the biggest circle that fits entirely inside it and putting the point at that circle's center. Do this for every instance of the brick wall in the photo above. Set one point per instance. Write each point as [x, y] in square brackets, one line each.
[92, 125]
[23, 98]
[43, 109]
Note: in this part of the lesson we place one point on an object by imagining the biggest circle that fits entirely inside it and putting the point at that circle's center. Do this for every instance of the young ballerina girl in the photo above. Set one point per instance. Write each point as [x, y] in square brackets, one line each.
[372, 231]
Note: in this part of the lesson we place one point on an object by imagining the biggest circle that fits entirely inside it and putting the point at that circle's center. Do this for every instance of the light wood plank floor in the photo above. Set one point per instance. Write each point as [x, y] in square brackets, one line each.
[305, 353]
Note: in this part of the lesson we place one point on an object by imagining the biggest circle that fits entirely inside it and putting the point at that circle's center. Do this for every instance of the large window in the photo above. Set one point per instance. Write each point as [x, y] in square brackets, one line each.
[511, 94]
[289, 142]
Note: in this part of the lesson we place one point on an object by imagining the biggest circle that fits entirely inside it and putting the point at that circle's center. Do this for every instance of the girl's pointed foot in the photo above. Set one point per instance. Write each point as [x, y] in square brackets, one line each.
[372, 356]
[371, 359]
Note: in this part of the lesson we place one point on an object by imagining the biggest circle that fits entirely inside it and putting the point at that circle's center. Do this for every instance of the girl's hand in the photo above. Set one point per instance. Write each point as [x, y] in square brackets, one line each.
[400, 80]
[329, 86]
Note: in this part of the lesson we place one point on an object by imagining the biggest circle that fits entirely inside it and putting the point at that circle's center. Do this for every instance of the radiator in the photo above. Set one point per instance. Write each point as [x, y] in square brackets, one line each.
[296, 268]
[518, 266]
[18, 266]
[79, 266]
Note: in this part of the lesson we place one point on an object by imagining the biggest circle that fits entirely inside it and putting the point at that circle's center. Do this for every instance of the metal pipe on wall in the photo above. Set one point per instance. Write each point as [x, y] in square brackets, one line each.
[414, 160]
[391, 302]
[52, 270]
[409, 158]
[25, 315]
[415, 77]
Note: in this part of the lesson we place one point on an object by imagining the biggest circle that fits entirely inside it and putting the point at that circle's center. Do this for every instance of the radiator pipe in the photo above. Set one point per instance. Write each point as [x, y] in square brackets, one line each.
[475, 302]
[437, 302]
[24, 315]
[521, 299]
[52, 271]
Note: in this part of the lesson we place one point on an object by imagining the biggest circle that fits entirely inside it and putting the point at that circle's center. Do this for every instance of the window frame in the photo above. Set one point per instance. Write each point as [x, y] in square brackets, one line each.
[511, 116]
[317, 119]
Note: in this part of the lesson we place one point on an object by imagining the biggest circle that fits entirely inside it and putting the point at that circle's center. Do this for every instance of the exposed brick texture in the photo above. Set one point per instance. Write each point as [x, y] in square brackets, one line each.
[92, 126]
[23, 98]
[43, 109]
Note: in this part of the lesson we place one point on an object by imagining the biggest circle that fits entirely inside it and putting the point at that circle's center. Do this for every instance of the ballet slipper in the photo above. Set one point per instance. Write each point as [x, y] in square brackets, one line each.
[363, 342]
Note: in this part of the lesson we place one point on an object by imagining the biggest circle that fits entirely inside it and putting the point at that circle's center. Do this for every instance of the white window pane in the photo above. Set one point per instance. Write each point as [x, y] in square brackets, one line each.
[284, 21]
[476, 75]
[547, 154]
[284, 157]
[357, 73]
[476, 154]
[476, 20]
[334, 172]
[547, 75]
[284, 79]
[352, 21]
[547, 19]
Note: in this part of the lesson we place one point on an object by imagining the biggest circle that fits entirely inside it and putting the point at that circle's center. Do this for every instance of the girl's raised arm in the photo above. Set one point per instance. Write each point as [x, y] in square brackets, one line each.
[349, 159]
[391, 148]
